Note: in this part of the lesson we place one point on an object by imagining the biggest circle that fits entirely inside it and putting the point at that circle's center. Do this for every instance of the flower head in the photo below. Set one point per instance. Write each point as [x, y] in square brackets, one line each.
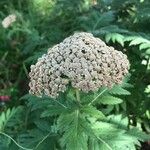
[8, 20]
[82, 60]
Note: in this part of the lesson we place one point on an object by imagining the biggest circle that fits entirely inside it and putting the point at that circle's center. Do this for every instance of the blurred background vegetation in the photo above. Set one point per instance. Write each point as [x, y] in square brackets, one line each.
[124, 24]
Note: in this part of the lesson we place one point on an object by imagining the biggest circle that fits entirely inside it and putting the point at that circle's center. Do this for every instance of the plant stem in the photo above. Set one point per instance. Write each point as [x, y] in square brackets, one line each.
[97, 96]
[61, 104]
[78, 95]
[26, 118]
[6, 135]
[42, 140]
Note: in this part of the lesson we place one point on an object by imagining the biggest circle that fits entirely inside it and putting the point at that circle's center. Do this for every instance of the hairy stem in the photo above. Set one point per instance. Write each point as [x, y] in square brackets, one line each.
[78, 95]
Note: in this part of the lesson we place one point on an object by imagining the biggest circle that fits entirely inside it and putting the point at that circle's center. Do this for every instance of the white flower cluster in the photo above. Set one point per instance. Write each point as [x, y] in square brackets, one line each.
[8, 20]
[82, 60]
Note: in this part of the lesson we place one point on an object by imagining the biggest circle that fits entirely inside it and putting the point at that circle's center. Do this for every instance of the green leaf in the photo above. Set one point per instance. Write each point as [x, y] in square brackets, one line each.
[144, 46]
[115, 37]
[138, 41]
[135, 40]
[113, 134]
[37, 139]
[72, 127]
[140, 135]
[118, 38]
[53, 110]
[108, 37]
[118, 90]
[9, 117]
[148, 51]
[129, 38]
[43, 125]
[110, 100]
[37, 102]
[118, 120]
[92, 111]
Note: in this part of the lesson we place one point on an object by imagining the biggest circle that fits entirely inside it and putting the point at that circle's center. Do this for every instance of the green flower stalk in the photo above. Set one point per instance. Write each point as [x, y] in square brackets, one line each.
[82, 60]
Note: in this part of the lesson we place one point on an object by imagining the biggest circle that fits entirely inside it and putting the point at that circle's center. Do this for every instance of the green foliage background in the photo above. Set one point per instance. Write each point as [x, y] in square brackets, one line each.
[124, 24]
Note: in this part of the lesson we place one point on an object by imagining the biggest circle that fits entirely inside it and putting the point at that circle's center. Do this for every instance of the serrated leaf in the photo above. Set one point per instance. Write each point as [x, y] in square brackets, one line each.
[115, 134]
[53, 110]
[127, 85]
[140, 135]
[118, 120]
[43, 125]
[147, 51]
[115, 37]
[138, 41]
[130, 38]
[108, 37]
[119, 39]
[118, 90]
[7, 117]
[135, 42]
[73, 126]
[144, 46]
[110, 100]
[92, 111]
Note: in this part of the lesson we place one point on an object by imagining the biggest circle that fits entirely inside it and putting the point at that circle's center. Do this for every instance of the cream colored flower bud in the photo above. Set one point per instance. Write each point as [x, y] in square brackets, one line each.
[8, 20]
[82, 60]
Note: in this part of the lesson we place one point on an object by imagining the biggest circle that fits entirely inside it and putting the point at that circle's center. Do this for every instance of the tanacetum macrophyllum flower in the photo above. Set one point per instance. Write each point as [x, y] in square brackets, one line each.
[82, 60]
[8, 20]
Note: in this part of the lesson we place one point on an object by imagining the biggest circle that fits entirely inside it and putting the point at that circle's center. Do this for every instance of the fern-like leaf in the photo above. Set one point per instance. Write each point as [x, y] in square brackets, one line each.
[74, 137]
[115, 37]
[110, 100]
[8, 118]
[92, 111]
[53, 110]
[113, 134]
[118, 90]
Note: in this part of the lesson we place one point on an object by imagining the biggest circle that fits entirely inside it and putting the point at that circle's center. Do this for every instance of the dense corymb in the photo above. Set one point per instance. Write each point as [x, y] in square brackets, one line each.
[82, 60]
